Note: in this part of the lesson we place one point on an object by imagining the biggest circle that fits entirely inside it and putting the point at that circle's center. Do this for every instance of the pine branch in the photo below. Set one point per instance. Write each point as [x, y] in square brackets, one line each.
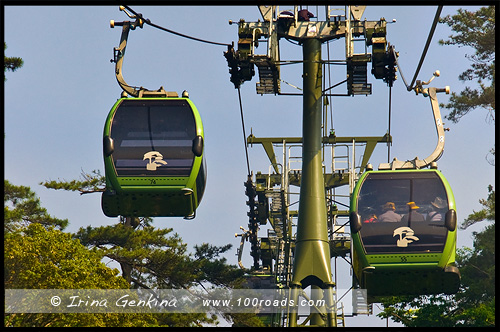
[90, 183]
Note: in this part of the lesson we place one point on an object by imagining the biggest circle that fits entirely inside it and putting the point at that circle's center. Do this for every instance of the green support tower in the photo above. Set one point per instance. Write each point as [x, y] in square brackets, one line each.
[312, 250]
[312, 247]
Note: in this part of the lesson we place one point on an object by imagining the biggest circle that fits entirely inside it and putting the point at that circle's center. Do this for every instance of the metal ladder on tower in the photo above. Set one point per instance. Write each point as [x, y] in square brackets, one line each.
[340, 315]
[269, 76]
[279, 215]
[360, 304]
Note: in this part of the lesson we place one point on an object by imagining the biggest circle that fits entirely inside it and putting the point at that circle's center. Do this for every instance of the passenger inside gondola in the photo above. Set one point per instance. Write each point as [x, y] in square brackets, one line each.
[389, 215]
[412, 215]
[438, 210]
[387, 202]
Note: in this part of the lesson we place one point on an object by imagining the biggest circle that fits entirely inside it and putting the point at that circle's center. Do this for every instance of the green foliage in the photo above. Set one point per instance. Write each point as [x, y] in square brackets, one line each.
[39, 255]
[477, 267]
[50, 259]
[80, 320]
[476, 30]
[245, 320]
[10, 63]
[214, 269]
[487, 213]
[22, 207]
[423, 311]
[156, 258]
[141, 249]
[46, 258]
[186, 320]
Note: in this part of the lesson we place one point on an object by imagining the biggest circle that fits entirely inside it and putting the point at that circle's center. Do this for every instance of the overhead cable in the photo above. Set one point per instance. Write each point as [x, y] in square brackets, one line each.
[424, 52]
[148, 21]
[244, 133]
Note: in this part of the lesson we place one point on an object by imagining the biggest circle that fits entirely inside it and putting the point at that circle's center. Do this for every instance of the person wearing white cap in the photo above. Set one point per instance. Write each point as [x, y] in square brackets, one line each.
[437, 212]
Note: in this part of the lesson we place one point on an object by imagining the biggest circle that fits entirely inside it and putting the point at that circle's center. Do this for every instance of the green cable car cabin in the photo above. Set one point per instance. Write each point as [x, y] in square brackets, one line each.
[403, 226]
[153, 158]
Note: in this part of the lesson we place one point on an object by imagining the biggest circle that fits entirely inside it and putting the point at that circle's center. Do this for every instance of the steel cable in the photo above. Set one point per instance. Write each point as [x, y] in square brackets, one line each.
[148, 21]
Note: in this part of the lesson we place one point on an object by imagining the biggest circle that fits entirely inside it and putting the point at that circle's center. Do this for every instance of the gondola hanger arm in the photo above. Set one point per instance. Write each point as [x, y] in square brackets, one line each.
[119, 54]
[417, 163]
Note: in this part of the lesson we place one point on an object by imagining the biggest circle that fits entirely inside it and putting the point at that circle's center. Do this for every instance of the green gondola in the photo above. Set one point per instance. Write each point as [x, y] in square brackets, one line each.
[153, 158]
[409, 250]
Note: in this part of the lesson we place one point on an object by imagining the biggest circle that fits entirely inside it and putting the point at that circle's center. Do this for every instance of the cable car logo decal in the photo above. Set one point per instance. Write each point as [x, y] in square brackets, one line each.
[406, 235]
[155, 160]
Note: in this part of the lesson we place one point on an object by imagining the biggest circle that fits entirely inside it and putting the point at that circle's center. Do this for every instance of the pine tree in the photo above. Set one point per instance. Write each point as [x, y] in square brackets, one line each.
[39, 255]
[22, 207]
[476, 30]
[10, 63]
[152, 258]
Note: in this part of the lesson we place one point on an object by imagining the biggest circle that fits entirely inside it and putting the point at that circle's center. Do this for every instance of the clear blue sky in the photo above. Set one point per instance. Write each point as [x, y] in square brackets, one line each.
[56, 105]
